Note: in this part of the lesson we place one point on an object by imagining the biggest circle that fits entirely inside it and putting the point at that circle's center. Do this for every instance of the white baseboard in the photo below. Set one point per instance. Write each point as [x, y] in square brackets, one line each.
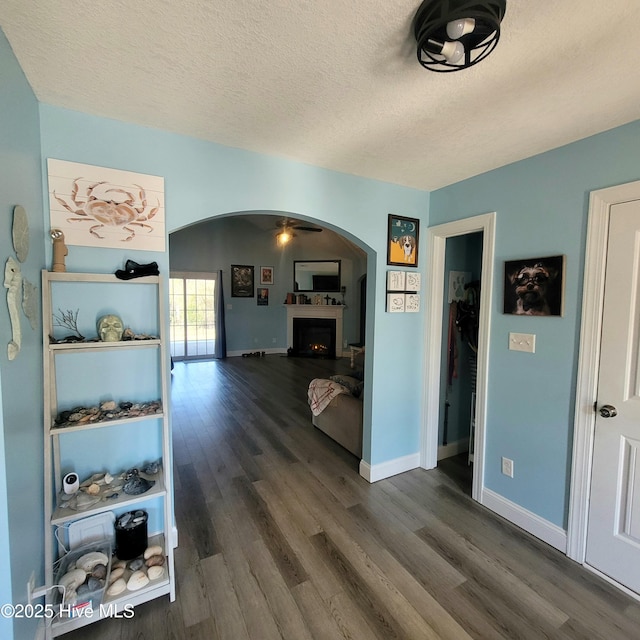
[534, 524]
[453, 448]
[389, 468]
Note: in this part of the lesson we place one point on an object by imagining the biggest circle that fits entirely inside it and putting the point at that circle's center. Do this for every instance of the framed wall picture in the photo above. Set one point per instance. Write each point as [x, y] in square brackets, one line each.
[534, 286]
[411, 302]
[395, 302]
[263, 297]
[266, 275]
[241, 281]
[107, 208]
[395, 280]
[402, 241]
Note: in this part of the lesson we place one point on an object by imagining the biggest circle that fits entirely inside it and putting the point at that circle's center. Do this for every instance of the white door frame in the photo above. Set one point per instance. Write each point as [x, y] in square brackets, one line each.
[436, 246]
[600, 203]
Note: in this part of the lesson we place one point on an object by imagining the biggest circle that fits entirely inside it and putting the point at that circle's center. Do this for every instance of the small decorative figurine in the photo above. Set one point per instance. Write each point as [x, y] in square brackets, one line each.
[110, 328]
[59, 250]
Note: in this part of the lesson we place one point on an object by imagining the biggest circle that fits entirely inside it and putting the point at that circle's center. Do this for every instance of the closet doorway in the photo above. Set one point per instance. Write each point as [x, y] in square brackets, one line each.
[459, 356]
[465, 246]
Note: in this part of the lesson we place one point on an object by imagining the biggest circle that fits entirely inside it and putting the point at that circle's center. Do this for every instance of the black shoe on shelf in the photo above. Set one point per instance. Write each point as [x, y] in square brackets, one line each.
[134, 270]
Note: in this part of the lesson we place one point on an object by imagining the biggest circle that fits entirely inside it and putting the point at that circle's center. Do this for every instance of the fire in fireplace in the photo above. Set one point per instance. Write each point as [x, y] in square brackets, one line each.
[314, 337]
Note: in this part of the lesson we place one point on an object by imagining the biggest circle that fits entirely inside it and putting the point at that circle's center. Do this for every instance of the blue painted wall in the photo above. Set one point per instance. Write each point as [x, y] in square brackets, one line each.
[21, 443]
[542, 207]
[204, 180]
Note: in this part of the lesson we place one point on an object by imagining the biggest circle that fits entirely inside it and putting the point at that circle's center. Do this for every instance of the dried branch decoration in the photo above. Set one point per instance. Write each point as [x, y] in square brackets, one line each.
[68, 320]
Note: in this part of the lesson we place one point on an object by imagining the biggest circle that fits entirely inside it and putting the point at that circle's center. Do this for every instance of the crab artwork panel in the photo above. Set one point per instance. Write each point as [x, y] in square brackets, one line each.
[103, 207]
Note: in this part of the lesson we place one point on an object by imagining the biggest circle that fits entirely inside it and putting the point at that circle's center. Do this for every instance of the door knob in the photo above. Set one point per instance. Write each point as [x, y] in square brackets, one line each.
[608, 411]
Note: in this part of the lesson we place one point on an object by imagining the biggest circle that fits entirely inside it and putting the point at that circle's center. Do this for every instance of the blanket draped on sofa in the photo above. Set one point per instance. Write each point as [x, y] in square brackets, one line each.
[321, 392]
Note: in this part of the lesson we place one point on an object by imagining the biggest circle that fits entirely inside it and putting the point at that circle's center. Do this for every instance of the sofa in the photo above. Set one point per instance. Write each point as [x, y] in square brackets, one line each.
[341, 418]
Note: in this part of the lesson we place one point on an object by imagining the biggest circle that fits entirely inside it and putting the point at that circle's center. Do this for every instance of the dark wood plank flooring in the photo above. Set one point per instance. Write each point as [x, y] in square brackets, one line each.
[279, 537]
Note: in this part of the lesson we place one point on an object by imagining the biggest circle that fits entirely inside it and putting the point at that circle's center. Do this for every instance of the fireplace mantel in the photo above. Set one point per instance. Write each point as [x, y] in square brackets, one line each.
[315, 311]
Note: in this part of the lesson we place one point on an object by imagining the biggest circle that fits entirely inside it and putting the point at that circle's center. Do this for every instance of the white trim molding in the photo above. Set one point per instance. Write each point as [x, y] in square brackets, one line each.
[373, 473]
[436, 246]
[600, 203]
[535, 525]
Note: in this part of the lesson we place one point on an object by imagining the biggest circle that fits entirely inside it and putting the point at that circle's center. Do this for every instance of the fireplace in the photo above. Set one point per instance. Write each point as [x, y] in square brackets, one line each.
[317, 314]
[314, 337]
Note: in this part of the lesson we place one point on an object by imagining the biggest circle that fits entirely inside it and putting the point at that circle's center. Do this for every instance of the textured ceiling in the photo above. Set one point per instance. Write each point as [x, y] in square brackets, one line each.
[336, 83]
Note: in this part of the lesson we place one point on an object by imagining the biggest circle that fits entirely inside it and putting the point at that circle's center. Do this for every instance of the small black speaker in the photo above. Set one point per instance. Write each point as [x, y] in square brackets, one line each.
[131, 534]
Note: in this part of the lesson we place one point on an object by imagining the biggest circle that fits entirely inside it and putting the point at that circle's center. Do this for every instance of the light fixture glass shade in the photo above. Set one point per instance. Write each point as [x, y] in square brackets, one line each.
[458, 28]
[283, 238]
[453, 51]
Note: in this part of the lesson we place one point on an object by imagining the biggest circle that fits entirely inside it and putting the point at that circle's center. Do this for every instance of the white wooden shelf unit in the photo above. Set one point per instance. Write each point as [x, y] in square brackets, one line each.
[57, 517]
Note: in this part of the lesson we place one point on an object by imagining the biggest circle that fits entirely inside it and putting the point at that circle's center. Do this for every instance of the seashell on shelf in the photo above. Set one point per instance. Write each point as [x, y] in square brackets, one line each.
[94, 584]
[115, 574]
[136, 564]
[153, 550]
[99, 571]
[93, 489]
[118, 564]
[155, 572]
[137, 580]
[72, 579]
[154, 561]
[117, 587]
[89, 560]
[84, 501]
[83, 590]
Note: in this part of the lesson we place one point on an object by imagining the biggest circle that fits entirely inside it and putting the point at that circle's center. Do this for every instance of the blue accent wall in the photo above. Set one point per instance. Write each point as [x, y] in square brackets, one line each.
[21, 442]
[205, 180]
[542, 207]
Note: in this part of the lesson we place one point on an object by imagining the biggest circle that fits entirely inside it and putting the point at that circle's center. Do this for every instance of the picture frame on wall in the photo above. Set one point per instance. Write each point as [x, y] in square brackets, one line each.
[534, 286]
[242, 283]
[263, 297]
[402, 241]
[266, 275]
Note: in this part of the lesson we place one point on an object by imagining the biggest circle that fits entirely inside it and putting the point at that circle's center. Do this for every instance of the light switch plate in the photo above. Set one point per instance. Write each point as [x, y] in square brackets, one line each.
[522, 342]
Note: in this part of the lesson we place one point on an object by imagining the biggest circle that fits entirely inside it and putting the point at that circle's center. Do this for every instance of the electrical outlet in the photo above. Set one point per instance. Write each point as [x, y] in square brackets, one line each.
[507, 467]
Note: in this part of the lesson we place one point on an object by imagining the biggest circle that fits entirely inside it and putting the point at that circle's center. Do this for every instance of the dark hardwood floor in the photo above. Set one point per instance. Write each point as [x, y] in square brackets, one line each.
[279, 537]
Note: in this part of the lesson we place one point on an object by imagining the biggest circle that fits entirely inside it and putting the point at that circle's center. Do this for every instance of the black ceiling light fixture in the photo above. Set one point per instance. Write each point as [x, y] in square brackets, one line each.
[456, 34]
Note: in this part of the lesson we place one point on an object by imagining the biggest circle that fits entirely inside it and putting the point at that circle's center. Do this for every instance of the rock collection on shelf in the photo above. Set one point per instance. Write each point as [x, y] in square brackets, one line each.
[106, 411]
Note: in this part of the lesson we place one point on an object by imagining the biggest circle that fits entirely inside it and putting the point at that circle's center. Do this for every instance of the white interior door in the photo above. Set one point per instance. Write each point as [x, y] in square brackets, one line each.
[613, 530]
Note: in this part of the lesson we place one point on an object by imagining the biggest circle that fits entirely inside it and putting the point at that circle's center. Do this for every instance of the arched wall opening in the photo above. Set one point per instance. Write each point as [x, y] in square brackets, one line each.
[213, 244]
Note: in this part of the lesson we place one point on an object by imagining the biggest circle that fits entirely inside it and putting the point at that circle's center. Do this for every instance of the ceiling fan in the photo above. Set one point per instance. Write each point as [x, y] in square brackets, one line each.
[286, 230]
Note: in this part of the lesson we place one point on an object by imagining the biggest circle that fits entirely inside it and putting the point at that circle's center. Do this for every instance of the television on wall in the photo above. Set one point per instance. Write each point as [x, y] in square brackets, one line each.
[326, 283]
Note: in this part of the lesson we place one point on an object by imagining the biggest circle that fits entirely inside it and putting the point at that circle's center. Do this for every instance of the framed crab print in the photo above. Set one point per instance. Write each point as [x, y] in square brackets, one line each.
[102, 207]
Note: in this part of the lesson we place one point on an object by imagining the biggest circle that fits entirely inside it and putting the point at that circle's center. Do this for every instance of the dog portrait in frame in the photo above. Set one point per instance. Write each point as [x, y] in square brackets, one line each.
[534, 287]
[402, 241]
